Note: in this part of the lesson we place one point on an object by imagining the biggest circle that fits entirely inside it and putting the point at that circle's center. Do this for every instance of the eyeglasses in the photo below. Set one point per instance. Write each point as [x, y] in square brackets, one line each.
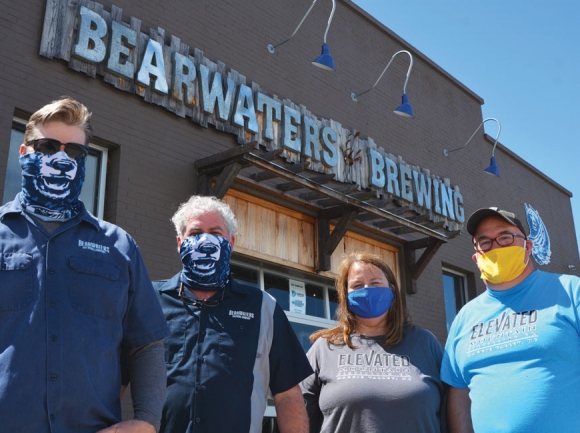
[502, 240]
[50, 146]
[199, 302]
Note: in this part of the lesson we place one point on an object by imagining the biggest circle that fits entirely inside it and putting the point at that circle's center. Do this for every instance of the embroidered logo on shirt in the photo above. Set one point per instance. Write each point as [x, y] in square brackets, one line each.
[93, 247]
[241, 315]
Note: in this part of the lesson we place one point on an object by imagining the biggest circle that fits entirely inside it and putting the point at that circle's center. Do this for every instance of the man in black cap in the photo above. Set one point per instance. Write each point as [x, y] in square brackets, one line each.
[511, 357]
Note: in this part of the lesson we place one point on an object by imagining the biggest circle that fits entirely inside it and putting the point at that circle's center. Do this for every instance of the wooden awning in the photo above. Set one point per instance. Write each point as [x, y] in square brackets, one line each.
[332, 203]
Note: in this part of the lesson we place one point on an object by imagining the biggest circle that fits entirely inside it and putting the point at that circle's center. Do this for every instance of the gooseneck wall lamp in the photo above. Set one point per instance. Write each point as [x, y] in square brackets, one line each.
[405, 108]
[325, 60]
[493, 168]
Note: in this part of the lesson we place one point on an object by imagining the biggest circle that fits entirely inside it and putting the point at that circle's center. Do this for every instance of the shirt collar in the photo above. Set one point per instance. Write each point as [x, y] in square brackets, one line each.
[174, 282]
[14, 207]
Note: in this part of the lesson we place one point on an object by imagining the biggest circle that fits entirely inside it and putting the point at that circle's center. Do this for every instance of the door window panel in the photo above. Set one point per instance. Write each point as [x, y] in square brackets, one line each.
[455, 294]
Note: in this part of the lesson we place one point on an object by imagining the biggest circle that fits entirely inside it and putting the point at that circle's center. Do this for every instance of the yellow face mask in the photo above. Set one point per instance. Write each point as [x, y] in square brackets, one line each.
[502, 264]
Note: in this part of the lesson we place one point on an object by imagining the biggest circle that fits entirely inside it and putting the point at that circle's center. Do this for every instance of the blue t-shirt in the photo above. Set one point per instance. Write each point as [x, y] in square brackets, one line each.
[518, 353]
[219, 368]
[68, 302]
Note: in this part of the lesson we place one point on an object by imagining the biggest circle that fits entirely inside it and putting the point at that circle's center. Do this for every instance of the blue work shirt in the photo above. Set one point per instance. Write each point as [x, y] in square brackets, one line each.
[68, 302]
[218, 367]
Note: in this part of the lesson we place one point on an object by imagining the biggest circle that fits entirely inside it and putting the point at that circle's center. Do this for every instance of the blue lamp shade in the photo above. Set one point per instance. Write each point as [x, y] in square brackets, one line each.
[493, 168]
[405, 108]
[325, 60]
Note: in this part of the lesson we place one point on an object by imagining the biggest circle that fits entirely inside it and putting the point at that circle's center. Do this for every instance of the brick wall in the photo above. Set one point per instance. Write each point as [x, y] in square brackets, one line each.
[152, 150]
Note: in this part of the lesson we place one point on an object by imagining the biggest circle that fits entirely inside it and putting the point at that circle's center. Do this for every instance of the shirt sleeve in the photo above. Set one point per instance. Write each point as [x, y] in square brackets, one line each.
[145, 369]
[288, 362]
[450, 371]
[144, 321]
[311, 387]
[437, 353]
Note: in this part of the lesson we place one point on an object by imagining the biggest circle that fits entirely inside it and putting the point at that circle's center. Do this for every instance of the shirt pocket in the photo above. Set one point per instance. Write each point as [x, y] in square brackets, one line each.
[95, 288]
[175, 343]
[236, 346]
[16, 281]
[227, 350]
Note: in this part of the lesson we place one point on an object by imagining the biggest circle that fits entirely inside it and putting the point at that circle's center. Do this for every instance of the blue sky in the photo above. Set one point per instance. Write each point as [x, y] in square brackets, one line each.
[521, 56]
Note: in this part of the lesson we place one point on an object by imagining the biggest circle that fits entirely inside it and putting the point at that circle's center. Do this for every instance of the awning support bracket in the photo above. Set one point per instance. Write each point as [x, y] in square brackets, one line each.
[327, 241]
[413, 267]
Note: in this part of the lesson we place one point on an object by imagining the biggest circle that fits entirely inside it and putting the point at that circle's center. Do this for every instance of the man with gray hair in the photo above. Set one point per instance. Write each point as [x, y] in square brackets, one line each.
[230, 342]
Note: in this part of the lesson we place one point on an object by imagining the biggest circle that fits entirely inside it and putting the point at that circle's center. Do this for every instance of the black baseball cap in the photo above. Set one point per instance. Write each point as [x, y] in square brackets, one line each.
[480, 214]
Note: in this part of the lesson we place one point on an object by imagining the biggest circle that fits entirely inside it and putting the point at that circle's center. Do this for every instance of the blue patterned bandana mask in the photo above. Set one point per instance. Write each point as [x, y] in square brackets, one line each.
[51, 185]
[206, 261]
[370, 302]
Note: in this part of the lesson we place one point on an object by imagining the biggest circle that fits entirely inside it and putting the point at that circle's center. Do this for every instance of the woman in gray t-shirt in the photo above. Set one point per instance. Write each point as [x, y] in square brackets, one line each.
[373, 372]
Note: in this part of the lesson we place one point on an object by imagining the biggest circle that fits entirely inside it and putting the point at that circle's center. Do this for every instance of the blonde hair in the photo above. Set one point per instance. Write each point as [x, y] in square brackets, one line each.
[65, 110]
[396, 318]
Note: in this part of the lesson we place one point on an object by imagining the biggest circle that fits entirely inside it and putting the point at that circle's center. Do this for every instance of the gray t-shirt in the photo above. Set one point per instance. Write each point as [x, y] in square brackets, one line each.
[374, 389]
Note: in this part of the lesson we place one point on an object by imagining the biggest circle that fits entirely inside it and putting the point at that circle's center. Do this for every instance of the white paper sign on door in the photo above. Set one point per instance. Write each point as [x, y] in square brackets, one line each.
[297, 297]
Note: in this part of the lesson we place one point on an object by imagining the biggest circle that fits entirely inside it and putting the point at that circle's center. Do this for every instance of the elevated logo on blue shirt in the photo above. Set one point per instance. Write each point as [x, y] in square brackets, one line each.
[94, 247]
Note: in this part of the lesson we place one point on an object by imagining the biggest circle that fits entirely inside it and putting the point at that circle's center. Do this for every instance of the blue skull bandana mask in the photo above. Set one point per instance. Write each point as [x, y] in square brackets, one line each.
[370, 302]
[206, 261]
[51, 185]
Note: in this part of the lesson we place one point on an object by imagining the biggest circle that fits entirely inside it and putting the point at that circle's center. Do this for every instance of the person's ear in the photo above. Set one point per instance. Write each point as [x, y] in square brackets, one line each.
[178, 243]
[528, 245]
[232, 241]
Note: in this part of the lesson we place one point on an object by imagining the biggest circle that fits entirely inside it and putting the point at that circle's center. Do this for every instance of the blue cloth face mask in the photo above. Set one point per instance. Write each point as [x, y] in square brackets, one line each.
[370, 302]
[206, 261]
[51, 185]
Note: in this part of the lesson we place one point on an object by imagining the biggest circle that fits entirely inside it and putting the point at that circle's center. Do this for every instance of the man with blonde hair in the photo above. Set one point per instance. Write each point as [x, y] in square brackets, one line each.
[74, 294]
[230, 342]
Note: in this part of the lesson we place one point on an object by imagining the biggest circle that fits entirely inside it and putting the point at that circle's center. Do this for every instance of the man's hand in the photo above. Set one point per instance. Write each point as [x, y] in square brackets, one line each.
[130, 426]
[291, 411]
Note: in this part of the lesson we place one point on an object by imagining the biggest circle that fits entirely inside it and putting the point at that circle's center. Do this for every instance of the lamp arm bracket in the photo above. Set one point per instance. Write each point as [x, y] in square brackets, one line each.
[354, 96]
[272, 48]
[329, 19]
[446, 152]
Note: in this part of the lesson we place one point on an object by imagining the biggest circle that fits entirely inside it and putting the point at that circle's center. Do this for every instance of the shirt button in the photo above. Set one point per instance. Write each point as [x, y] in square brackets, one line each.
[52, 417]
[53, 338]
[51, 271]
[198, 420]
[200, 359]
[52, 304]
[199, 387]
[53, 377]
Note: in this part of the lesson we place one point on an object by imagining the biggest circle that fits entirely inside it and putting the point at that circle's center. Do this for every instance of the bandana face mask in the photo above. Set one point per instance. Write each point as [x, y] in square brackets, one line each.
[205, 261]
[370, 302]
[502, 264]
[51, 185]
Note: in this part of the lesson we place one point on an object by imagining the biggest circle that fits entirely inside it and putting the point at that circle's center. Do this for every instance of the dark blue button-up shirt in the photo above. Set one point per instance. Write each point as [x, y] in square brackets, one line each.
[68, 302]
[218, 367]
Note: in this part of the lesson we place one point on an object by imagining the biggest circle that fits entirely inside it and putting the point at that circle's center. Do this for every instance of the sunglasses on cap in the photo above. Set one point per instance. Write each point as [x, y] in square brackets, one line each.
[50, 146]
